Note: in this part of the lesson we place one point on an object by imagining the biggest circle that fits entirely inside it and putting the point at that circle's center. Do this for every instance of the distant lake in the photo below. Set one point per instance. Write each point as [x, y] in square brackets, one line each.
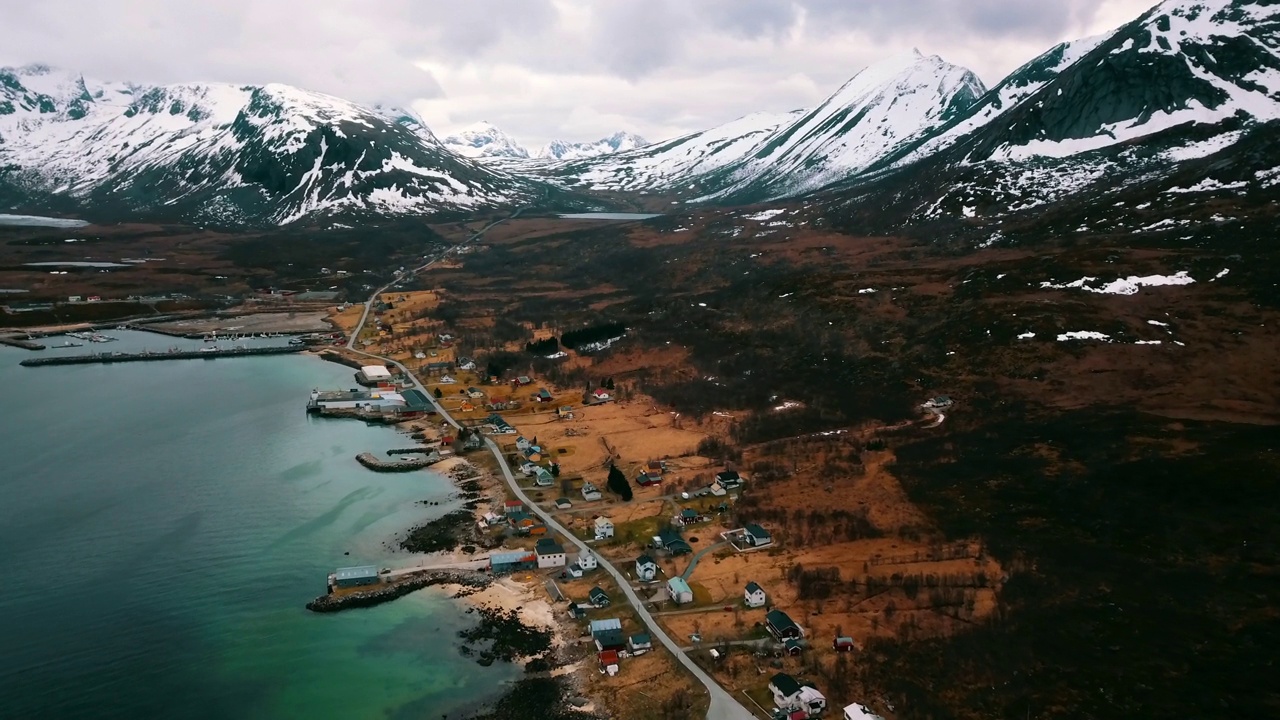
[609, 216]
[38, 221]
[78, 263]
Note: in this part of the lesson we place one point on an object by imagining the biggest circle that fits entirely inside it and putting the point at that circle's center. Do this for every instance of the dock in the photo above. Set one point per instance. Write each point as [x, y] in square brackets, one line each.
[100, 358]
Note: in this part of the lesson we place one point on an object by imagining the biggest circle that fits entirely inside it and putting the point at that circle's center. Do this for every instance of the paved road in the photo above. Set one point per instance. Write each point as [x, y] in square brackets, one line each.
[723, 706]
[462, 565]
[368, 304]
[693, 561]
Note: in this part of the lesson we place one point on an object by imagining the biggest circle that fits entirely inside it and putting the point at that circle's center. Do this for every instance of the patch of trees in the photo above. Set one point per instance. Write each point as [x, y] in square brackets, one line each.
[597, 333]
[813, 527]
[618, 484]
[717, 449]
[497, 364]
[542, 347]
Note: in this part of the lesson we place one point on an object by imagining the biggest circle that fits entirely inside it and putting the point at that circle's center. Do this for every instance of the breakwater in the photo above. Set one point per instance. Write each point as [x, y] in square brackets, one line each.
[97, 358]
[373, 462]
[24, 343]
[388, 591]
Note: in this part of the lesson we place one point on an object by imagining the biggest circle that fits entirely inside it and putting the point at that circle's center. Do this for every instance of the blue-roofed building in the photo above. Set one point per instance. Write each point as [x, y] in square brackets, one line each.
[514, 561]
[356, 576]
[679, 590]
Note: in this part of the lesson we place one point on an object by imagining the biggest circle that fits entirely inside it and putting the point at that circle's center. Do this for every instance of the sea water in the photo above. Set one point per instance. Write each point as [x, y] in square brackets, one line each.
[163, 524]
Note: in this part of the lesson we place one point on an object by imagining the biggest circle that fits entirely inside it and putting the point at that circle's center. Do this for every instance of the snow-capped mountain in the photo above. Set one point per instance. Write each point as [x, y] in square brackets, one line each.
[1177, 101]
[484, 140]
[675, 162]
[617, 142]
[887, 107]
[222, 153]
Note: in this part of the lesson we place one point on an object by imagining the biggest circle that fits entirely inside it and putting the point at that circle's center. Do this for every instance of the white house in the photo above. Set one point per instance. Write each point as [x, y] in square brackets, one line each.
[757, 536]
[812, 701]
[587, 561]
[646, 568]
[466, 364]
[590, 492]
[550, 553]
[522, 444]
[754, 595]
[679, 590]
[604, 528]
[785, 690]
[446, 380]
[574, 571]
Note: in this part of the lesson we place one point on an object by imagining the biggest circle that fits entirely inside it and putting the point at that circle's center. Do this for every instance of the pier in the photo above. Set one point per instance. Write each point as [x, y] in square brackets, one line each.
[98, 358]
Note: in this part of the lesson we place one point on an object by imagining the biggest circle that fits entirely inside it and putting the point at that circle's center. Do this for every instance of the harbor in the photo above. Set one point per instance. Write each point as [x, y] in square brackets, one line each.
[173, 354]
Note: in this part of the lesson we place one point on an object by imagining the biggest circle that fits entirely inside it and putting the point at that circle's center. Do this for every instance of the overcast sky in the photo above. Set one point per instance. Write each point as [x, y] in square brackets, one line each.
[544, 69]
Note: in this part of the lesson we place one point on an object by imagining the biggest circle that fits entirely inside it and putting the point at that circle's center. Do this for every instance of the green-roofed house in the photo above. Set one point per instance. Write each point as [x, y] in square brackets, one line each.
[679, 590]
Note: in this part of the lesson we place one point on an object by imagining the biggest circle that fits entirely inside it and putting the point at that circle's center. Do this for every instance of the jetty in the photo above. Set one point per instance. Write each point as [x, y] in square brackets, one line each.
[116, 357]
[387, 588]
[373, 462]
[20, 342]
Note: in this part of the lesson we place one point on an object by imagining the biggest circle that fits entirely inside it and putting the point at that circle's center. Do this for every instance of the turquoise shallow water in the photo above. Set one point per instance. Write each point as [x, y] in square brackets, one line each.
[163, 524]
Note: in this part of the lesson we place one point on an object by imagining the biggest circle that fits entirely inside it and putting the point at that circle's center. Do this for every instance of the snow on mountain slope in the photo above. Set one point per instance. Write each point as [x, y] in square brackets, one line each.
[677, 161]
[484, 140]
[1183, 62]
[1012, 91]
[884, 108]
[617, 142]
[224, 153]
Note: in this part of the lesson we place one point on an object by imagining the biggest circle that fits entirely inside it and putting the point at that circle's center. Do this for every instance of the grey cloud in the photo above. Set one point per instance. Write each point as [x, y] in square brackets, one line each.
[654, 66]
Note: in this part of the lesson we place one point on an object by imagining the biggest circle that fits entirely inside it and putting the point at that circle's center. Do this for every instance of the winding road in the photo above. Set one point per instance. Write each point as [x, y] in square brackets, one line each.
[722, 706]
[368, 304]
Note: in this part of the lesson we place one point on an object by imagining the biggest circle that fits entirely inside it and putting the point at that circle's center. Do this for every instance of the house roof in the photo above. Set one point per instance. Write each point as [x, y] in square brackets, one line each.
[596, 593]
[780, 620]
[727, 475]
[753, 587]
[641, 639]
[513, 503]
[547, 546]
[792, 643]
[610, 637]
[679, 545]
[503, 558]
[360, 572]
[608, 657]
[606, 624]
[678, 585]
[757, 531]
[645, 560]
[602, 520]
[689, 513]
[784, 684]
[600, 392]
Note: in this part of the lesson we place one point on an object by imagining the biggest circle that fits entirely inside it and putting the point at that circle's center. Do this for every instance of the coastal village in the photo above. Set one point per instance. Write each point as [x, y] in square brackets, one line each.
[602, 476]
[620, 544]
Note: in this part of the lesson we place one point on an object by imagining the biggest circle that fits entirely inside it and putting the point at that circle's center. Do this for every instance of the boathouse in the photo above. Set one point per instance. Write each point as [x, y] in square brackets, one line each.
[356, 576]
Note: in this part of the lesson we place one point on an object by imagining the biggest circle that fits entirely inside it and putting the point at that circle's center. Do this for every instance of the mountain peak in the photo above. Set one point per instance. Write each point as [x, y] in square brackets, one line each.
[620, 141]
[483, 139]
